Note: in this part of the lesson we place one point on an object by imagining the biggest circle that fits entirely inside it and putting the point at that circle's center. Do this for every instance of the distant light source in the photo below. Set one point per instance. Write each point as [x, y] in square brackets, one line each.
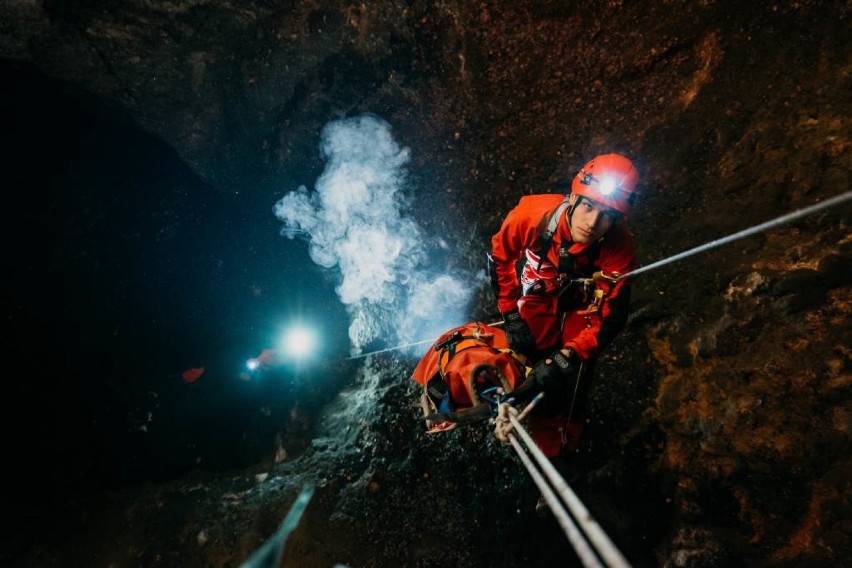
[607, 185]
[299, 342]
[252, 364]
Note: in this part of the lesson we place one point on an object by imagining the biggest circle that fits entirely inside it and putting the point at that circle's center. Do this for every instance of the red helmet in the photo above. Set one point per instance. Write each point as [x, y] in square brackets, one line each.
[609, 179]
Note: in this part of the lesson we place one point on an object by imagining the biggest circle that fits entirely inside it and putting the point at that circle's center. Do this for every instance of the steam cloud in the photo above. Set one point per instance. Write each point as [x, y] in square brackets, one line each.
[355, 220]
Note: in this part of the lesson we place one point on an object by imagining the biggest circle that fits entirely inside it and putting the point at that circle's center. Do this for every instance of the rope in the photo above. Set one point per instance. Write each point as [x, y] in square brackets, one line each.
[590, 534]
[579, 517]
[578, 541]
[397, 347]
[798, 214]
[362, 355]
[272, 551]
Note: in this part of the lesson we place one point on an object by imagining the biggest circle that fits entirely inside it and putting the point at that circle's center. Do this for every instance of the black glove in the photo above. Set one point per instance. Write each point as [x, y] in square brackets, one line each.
[555, 375]
[518, 333]
[555, 372]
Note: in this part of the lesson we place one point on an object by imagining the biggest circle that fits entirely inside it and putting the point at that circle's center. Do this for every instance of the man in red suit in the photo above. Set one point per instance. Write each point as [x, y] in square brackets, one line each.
[567, 304]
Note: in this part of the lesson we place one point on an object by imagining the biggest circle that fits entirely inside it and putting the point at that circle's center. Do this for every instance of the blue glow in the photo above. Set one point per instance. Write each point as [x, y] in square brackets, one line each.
[299, 342]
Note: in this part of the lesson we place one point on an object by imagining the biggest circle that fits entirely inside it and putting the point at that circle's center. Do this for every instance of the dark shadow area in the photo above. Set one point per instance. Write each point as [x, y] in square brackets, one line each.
[121, 270]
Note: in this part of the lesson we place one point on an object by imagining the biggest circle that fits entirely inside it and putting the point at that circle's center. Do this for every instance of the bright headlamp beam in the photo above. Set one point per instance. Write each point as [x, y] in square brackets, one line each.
[607, 186]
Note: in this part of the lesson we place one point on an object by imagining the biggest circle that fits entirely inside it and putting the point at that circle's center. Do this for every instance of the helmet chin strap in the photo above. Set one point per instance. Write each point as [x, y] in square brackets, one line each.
[570, 213]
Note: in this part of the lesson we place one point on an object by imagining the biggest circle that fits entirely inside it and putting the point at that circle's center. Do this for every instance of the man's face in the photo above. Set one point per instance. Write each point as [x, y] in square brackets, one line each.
[589, 220]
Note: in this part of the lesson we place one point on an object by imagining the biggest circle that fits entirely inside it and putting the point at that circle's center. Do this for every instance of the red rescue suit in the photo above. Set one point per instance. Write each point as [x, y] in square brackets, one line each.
[561, 314]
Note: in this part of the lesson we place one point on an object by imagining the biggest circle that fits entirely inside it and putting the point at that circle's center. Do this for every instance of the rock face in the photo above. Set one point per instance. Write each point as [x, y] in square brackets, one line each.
[722, 415]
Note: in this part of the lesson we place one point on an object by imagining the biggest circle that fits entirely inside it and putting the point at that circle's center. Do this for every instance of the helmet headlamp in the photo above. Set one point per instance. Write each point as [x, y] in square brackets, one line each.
[608, 179]
[606, 185]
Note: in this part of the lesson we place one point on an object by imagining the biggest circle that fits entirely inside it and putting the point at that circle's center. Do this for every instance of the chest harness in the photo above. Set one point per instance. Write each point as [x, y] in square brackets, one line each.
[589, 291]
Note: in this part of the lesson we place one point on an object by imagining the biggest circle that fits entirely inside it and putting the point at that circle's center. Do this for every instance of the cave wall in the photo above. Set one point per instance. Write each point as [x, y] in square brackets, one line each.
[729, 392]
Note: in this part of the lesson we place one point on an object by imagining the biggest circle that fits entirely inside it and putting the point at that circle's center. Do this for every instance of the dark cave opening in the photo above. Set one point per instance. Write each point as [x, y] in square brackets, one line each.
[125, 268]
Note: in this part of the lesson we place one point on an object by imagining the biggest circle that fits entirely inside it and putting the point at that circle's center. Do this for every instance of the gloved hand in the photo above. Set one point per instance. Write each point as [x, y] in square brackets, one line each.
[556, 372]
[518, 333]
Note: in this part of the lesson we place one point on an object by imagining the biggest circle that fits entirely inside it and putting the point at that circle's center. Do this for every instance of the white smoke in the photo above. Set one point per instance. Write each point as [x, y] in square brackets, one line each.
[355, 220]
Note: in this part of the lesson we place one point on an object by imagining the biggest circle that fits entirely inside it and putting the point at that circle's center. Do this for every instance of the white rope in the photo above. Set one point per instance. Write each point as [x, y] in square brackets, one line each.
[578, 541]
[362, 355]
[397, 347]
[798, 214]
[593, 531]
[272, 551]
[792, 216]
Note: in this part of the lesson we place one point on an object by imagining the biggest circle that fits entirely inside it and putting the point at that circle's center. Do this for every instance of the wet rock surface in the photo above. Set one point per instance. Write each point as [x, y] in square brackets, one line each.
[721, 416]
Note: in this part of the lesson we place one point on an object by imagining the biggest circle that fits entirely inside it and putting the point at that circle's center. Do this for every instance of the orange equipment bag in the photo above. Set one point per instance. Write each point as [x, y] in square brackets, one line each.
[465, 361]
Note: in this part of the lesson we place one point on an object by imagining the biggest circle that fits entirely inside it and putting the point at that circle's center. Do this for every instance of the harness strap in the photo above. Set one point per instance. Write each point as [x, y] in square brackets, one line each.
[549, 229]
[455, 343]
[450, 348]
